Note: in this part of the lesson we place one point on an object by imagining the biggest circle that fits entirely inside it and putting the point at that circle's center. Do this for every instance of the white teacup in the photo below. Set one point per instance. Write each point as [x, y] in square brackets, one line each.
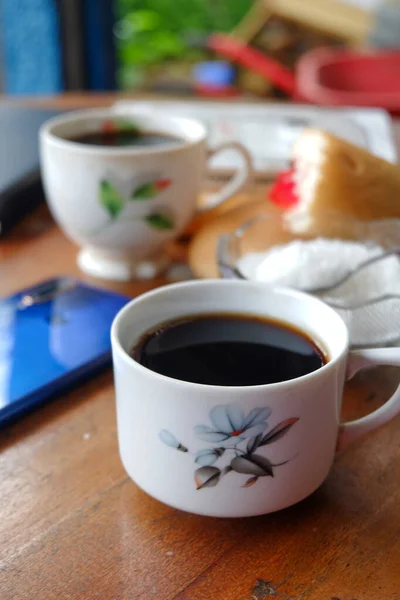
[122, 204]
[161, 444]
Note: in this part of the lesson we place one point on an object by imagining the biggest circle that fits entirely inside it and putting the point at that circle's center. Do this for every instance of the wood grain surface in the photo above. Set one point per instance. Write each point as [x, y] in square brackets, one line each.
[73, 525]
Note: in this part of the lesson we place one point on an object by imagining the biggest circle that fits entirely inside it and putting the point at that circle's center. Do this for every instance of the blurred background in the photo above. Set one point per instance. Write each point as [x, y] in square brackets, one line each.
[162, 46]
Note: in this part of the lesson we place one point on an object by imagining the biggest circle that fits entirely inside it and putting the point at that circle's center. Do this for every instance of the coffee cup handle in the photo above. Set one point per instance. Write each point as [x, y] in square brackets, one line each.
[240, 178]
[362, 359]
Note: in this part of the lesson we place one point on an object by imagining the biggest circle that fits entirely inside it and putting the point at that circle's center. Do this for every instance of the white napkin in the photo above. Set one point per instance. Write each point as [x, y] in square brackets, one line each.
[368, 302]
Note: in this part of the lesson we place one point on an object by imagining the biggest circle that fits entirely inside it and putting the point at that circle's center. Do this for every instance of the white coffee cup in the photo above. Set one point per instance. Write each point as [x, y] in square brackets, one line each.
[173, 434]
[122, 204]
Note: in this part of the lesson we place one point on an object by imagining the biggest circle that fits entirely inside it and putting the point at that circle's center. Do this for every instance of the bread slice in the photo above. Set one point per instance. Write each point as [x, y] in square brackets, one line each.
[334, 177]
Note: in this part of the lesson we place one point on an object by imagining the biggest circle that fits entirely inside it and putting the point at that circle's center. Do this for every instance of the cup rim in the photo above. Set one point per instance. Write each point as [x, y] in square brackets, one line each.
[301, 296]
[46, 132]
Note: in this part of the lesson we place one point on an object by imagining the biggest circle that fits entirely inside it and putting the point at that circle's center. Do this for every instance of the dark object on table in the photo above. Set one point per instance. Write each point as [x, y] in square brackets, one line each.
[56, 335]
[20, 183]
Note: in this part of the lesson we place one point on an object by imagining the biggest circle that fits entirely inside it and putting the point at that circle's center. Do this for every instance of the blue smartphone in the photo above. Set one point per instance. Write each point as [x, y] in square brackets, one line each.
[52, 337]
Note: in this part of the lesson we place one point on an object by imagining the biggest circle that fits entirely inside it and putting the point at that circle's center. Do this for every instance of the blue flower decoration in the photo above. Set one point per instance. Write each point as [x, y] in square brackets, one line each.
[208, 457]
[230, 427]
[170, 440]
[229, 422]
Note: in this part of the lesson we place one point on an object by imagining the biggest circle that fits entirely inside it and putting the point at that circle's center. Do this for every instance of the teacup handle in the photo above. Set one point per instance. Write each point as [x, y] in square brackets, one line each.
[239, 179]
[362, 359]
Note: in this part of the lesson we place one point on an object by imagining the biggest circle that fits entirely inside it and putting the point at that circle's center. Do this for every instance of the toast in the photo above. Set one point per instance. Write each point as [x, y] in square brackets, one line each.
[332, 176]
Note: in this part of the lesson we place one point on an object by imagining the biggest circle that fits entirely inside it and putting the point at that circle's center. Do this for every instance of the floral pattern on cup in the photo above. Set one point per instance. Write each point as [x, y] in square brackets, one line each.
[114, 204]
[236, 437]
[116, 125]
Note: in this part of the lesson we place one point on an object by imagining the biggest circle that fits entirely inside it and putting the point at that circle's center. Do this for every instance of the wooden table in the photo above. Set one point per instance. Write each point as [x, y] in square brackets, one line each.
[73, 525]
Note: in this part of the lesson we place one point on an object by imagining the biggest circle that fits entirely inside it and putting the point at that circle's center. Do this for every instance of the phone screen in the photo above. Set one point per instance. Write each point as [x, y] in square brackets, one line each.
[56, 329]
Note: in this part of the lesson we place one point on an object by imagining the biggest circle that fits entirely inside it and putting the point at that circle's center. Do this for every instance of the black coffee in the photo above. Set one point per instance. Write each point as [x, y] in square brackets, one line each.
[228, 349]
[126, 137]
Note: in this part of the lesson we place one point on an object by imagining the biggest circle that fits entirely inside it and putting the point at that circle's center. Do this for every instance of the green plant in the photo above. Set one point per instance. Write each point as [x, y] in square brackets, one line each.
[149, 32]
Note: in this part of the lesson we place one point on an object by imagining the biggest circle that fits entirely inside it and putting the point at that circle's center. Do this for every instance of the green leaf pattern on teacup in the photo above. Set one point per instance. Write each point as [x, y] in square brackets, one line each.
[110, 199]
[114, 203]
[119, 124]
[235, 438]
[159, 221]
[126, 125]
[144, 191]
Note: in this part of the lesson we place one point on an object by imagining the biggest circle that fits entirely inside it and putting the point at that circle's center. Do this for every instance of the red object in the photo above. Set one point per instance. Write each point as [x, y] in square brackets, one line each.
[347, 78]
[162, 184]
[254, 60]
[215, 91]
[283, 192]
[325, 76]
[108, 126]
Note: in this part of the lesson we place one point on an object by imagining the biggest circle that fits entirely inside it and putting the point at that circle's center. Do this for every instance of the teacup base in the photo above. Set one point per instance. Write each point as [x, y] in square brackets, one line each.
[120, 268]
